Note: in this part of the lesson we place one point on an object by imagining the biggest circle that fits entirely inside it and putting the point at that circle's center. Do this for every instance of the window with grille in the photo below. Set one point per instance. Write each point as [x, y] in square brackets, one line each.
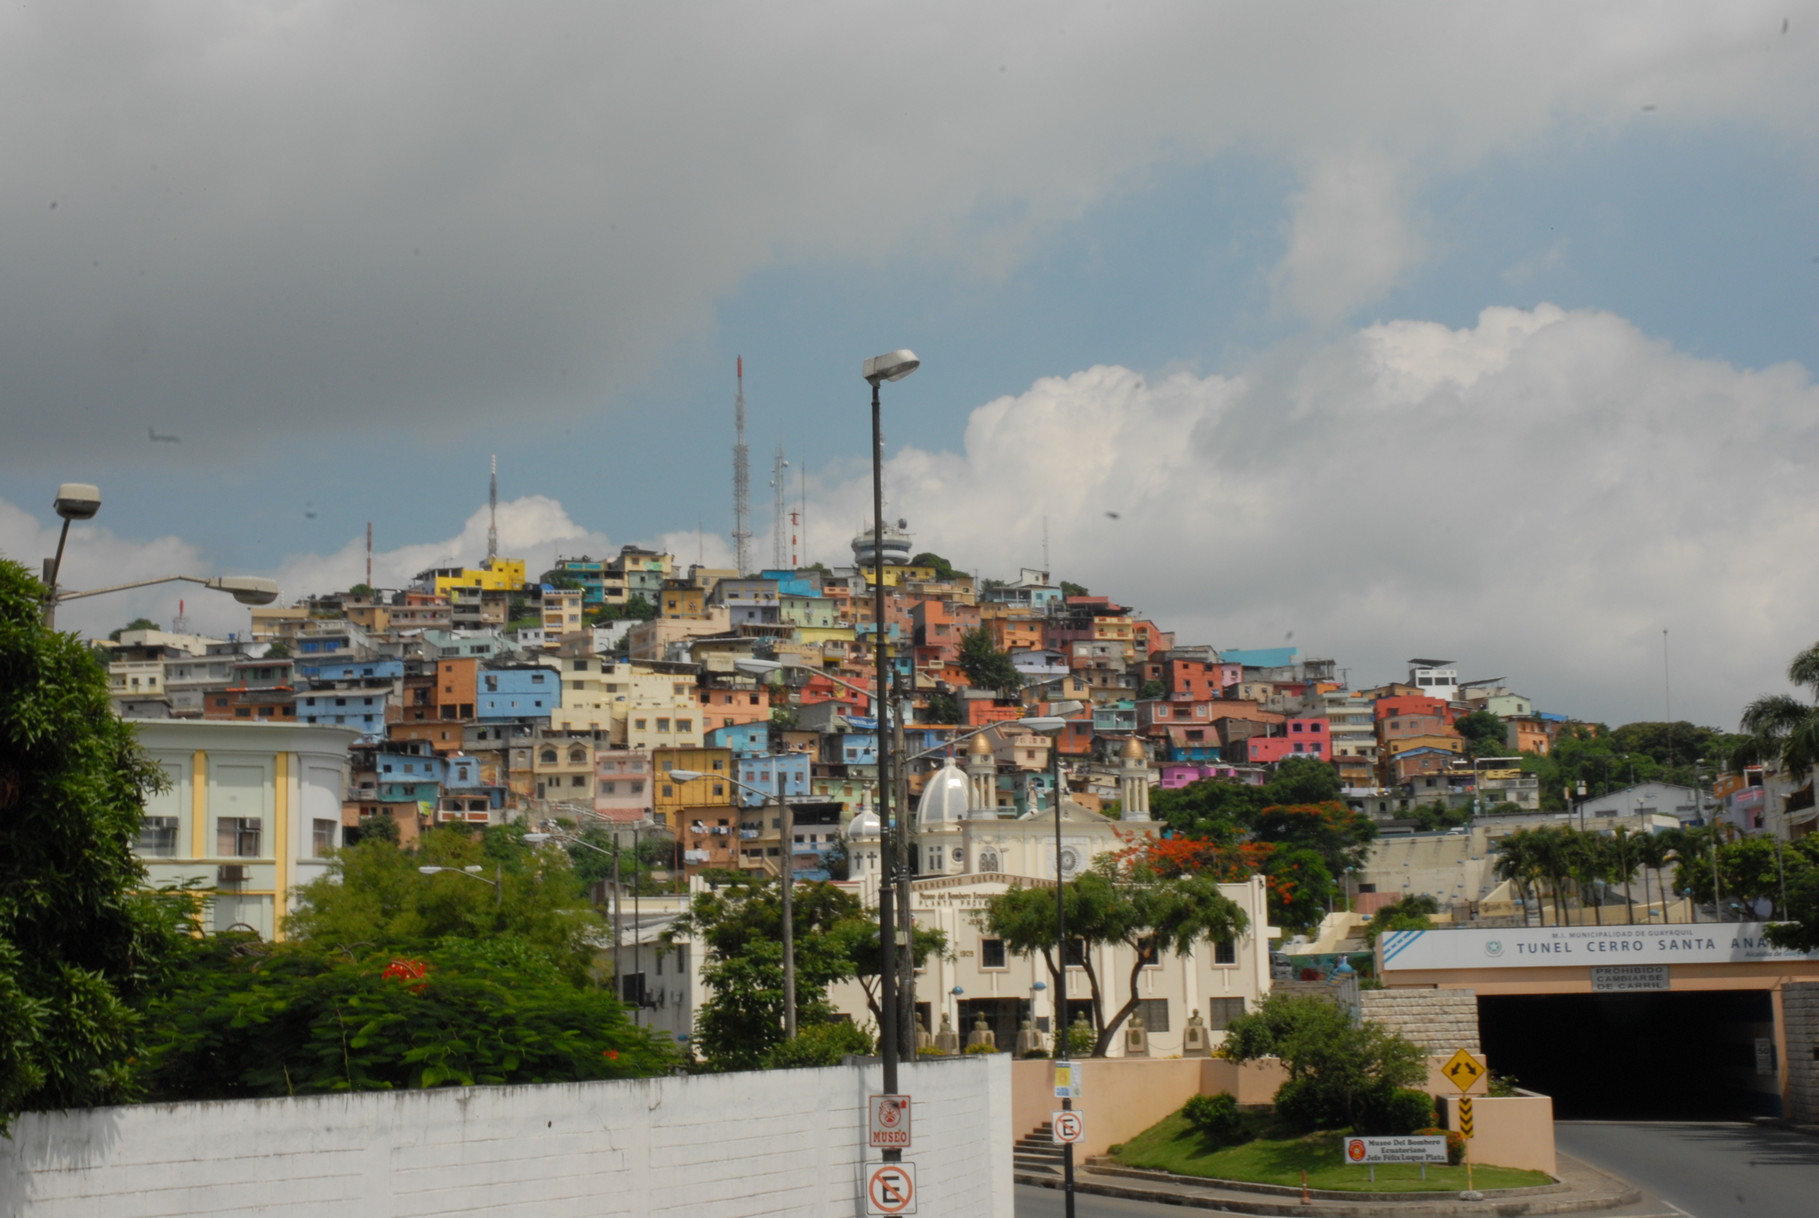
[158, 837]
[1225, 952]
[991, 953]
[1154, 1012]
[1221, 1012]
[237, 837]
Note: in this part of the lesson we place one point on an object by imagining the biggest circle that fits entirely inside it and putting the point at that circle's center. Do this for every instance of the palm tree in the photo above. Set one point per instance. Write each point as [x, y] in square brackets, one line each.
[1554, 853]
[1784, 728]
[1652, 852]
[1623, 848]
[1516, 863]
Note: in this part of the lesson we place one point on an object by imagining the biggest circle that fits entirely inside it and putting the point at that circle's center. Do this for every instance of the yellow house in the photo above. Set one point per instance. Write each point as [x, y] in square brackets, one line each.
[713, 787]
[496, 575]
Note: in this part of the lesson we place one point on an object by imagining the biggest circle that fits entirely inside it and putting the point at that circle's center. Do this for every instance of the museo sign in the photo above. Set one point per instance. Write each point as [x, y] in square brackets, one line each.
[1584, 946]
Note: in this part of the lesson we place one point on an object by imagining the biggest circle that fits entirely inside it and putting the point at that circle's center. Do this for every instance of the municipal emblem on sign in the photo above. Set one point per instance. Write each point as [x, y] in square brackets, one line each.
[1463, 1070]
[890, 1188]
[890, 1121]
[1355, 1149]
[1067, 1126]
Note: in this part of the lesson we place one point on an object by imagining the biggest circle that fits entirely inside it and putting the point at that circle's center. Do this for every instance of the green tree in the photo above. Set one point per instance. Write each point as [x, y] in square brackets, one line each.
[279, 650]
[559, 579]
[1485, 735]
[944, 570]
[1117, 903]
[1069, 588]
[1336, 1068]
[361, 591]
[245, 1019]
[941, 707]
[738, 925]
[1785, 729]
[637, 609]
[1412, 912]
[986, 666]
[1151, 688]
[82, 944]
[138, 623]
[374, 894]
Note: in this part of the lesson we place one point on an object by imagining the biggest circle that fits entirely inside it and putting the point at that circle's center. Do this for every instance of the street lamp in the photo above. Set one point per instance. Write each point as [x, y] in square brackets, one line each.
[247, 589]
[472, 872]
[786, 880]
[891, 366]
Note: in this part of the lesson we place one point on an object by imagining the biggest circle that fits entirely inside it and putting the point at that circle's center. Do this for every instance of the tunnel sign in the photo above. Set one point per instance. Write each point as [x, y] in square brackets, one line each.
[890, 1188]
[1463, 1069]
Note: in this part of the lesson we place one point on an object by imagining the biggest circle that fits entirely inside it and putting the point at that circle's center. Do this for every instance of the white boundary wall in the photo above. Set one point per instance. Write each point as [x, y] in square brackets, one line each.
[746, 1145]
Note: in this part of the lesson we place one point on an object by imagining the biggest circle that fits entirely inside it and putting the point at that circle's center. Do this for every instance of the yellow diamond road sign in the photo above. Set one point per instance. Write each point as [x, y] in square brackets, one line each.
[1463, 1069]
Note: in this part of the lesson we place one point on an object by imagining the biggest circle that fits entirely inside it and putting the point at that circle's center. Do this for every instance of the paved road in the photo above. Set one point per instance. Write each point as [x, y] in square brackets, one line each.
[1047, 1203]
[1704, 1170]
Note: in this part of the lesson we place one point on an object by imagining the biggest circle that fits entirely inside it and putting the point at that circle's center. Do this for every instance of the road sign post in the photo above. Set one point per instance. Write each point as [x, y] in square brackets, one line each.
[890, 1188]
[1462, 1070]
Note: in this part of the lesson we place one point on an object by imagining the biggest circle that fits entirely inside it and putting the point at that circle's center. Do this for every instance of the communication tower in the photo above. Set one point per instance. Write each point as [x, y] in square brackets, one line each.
[742, 536]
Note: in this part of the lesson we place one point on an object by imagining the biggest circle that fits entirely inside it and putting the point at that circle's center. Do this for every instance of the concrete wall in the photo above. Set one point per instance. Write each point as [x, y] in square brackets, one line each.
[781, 1142]
[1123, 1096]
[1800, 1050]
[1516, 1131]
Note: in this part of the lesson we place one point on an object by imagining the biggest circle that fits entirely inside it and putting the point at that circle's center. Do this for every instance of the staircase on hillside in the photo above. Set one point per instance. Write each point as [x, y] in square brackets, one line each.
[1037, 1153]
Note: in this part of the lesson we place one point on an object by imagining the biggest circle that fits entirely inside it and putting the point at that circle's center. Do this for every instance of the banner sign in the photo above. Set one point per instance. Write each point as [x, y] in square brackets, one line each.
[1629, 978]
[1410, 1149]
[1583, 946]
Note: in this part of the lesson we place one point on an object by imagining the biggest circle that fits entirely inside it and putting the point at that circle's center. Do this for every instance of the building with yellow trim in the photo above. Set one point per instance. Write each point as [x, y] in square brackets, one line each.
[253, 810]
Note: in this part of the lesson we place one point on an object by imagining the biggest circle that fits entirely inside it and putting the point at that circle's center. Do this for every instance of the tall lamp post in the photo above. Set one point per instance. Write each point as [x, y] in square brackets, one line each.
[74, 501]
[638, 829]
[891, 366]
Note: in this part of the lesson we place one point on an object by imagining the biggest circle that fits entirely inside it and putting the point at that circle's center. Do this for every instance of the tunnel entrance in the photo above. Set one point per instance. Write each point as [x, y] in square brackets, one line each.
[1667, 1056]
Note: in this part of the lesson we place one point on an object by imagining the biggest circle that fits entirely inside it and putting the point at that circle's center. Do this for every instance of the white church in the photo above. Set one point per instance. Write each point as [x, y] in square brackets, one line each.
[969, 850]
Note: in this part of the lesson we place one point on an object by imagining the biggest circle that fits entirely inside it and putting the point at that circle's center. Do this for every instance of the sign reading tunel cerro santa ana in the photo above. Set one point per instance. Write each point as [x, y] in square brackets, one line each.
[1569, 946]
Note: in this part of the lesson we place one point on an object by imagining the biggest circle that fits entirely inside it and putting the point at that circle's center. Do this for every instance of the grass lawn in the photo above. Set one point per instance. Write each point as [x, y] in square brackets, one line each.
[1172, 1145]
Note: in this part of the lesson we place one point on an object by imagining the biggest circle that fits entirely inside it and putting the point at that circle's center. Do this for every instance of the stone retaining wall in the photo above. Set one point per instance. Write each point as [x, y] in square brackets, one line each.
[1440, 1021]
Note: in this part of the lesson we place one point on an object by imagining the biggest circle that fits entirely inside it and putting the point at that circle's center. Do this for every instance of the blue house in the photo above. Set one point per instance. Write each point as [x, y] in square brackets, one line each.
[362, 708]
[517, 693]
[744, 739]
[762, 774]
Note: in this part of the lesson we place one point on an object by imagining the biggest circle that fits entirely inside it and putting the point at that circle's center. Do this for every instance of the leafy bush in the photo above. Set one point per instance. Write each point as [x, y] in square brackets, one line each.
[820, 1044]
[1301, 1105]
[1080, 1040]
[980, 1050]
[1392, 1111]
[1455, 1142]
[1215, 1117]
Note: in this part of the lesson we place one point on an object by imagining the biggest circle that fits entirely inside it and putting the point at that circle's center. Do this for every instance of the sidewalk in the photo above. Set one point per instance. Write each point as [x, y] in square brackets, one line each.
[1582, 1189]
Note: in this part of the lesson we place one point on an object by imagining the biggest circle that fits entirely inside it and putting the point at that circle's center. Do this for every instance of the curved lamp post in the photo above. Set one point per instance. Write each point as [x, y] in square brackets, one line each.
[472, 872]
[891, 366]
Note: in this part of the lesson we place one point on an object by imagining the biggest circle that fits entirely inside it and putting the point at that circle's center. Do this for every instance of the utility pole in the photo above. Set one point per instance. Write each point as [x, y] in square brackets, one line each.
[906, 869]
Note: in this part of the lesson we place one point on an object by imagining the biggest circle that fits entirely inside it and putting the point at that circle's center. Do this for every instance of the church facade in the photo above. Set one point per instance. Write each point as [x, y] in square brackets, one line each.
[969, 850]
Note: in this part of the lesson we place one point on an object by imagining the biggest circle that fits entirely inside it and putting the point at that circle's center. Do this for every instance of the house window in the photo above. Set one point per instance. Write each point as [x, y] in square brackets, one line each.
[322, 837]
[663, 725]
[991, 953]
[1076, 953]
[1225, 952]
[1154, 1012]
[237, 837]
[685, 725]
[1221, 1012]
[1152, 957]
[158, 837]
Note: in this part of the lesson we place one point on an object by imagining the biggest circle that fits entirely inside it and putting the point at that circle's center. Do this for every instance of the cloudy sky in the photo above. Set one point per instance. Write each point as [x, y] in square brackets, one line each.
[1400, 329]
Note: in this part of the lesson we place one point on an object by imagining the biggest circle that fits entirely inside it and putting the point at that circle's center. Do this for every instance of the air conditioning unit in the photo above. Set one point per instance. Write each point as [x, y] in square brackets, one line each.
[230, 873]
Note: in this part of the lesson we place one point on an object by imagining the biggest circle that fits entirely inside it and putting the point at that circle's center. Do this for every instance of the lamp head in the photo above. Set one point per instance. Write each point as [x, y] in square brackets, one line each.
[80, 500]
[891, 366]
[752, 666]
[429, 870]
[685, 775]
[536, 839]
[247, 589]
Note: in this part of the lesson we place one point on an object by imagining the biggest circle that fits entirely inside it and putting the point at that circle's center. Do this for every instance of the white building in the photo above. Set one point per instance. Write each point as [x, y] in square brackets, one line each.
[253, 810]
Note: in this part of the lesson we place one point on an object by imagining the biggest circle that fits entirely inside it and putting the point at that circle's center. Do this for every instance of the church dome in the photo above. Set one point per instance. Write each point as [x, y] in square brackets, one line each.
[980, 746]
[1133, 749]
[863, 827]
[945, 799]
